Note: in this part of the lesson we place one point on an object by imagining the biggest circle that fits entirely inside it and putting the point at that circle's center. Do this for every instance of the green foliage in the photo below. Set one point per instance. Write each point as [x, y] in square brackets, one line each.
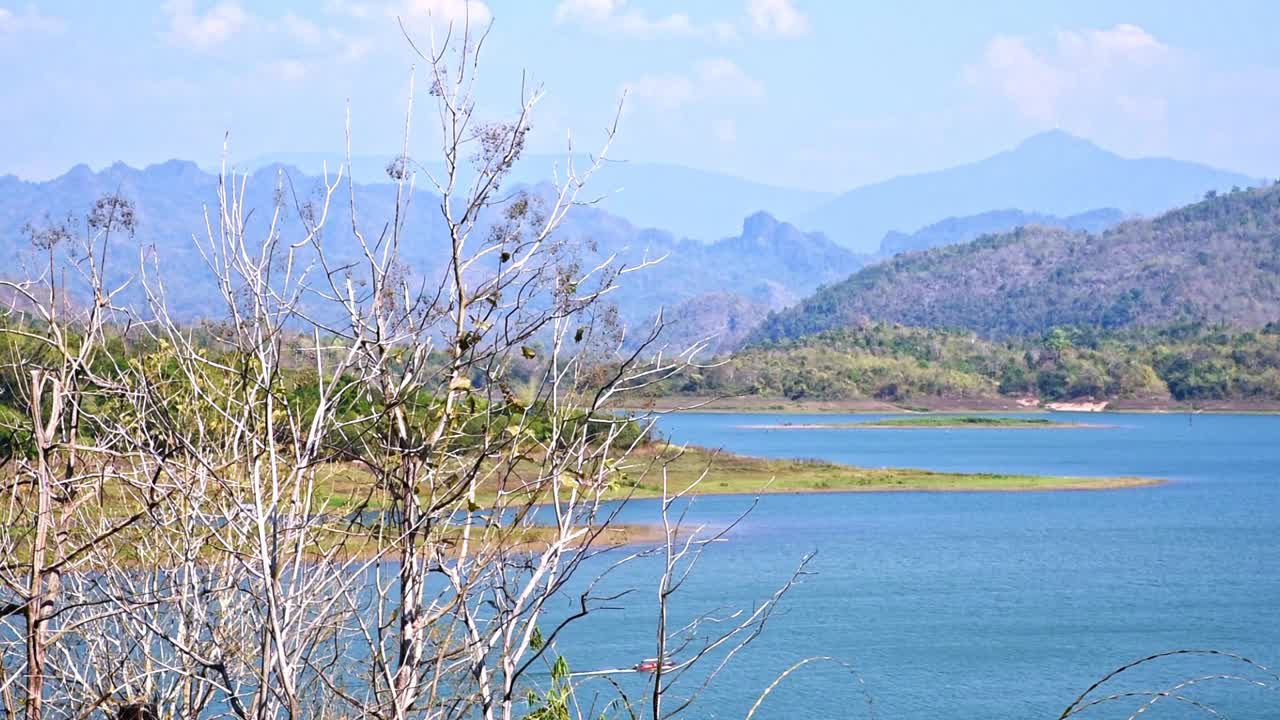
[15, 434]
[555, 703]
[889, 362]
[953, 421]
[175, 415]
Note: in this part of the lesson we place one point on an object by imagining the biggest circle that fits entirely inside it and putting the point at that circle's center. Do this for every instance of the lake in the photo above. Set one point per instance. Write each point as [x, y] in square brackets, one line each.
[985, 605]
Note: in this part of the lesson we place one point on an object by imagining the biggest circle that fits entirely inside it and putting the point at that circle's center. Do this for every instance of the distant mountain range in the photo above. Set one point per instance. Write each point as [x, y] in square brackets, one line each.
[689, 203]
[1215, 261]
[955, 230]
[766, 266]
[1049, 174]
[727, 286]
[1053, 172]
[171, 200]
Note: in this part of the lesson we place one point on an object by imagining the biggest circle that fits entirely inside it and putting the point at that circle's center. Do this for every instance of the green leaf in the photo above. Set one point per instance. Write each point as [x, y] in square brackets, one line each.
[528, 352]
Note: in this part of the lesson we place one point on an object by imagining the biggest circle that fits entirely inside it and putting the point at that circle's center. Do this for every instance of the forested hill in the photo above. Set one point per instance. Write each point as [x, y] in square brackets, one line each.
[1216, 261]
[1186, 364]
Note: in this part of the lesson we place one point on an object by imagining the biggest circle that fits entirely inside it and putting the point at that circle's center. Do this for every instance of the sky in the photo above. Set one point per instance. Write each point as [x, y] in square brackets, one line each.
[815, 94]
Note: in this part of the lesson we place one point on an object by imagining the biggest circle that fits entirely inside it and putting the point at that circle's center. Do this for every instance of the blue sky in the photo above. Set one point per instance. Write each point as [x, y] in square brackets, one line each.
[806, 93]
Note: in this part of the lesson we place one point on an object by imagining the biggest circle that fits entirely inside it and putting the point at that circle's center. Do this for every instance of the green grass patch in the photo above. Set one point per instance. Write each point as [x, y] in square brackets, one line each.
[960, 421]
[721, 473]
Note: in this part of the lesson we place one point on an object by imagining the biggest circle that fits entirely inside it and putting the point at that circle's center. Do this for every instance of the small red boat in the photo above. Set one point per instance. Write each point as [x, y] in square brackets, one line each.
[652, 665]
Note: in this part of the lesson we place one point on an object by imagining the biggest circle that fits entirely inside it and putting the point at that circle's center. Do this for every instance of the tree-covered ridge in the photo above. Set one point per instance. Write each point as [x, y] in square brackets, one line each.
[1216, 261]
[888, 362]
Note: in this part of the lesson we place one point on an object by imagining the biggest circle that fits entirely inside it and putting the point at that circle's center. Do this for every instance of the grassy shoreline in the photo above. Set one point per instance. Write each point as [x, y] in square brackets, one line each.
[755, 404]
[934, 422]
[729, 474]
[702, 472]
[711, 472]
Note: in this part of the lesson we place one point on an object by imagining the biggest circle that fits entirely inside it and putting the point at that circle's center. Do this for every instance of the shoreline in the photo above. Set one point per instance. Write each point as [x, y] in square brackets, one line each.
[942, 426]
[799, 477]
[763, 405]
[718, 473]
[1084, 484]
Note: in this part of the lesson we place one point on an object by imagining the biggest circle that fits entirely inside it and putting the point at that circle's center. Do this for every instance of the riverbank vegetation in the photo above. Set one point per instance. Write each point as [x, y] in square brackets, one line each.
[1186, 364]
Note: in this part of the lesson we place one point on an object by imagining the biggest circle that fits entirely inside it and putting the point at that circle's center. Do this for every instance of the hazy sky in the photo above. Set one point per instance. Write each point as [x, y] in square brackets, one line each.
[822, 94]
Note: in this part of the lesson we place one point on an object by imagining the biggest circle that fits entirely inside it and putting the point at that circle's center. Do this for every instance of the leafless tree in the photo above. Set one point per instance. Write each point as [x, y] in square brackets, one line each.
[366, 488]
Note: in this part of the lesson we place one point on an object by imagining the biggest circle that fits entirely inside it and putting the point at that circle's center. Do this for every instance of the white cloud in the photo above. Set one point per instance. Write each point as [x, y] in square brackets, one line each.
[1121, 44]
[324, 39]
[615, 16]
[306, 31]
[1083, 71]
[350, 8]
[1012, 69]
[723, 78]
[663, 91]
[717, 79]
[777, 17]
[202, 31]
[766, 17]
[289, 70]
[287, 48]
[724, 31]
[725, 131]
[31, 21]
[357, 49]
[473, 13]
[1127, 89]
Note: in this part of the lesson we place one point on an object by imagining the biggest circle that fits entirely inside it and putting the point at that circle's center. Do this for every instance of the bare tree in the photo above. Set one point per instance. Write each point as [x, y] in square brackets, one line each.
[74, 486]
[366, 489]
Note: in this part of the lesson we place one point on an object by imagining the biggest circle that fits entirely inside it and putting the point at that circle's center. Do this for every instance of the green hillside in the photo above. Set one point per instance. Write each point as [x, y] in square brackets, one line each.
[1214, 262]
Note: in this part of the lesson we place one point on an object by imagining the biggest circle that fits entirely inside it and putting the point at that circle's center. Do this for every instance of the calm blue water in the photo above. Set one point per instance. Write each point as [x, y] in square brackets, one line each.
[985, 605]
